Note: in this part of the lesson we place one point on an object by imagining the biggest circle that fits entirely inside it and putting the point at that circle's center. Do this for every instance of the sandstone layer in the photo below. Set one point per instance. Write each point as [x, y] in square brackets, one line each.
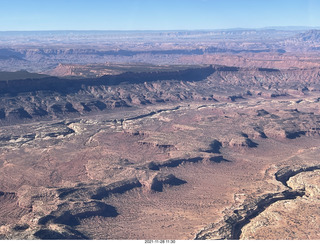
[155, 172]
[175, 135]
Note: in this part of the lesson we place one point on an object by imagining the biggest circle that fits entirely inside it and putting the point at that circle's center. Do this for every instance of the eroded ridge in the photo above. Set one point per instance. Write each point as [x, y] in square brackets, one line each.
[107, 173]
[231, 227]
[75, 204]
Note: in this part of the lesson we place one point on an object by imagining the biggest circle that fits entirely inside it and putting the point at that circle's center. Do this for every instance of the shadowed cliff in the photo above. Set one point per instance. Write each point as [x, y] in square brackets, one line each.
[65, 85]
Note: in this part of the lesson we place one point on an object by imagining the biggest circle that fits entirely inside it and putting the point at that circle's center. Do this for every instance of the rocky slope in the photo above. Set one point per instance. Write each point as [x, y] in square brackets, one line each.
[290, 219]
[249, 215]
[100, 177]
[158, 152]
[49, 98]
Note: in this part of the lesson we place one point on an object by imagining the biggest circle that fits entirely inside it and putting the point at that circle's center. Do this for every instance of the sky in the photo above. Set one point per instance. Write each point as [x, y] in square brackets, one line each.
[22, 15]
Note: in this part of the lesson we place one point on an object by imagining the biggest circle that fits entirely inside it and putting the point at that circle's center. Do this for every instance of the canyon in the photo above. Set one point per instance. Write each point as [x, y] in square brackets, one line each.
[222, 142]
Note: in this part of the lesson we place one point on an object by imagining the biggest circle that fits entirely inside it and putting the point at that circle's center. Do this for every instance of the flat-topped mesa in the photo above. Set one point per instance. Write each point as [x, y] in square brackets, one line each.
[27, 100]
[217, 74]
[65, 85]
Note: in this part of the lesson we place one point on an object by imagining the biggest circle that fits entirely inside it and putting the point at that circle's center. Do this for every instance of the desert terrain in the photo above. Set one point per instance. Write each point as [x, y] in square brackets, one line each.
[173, 135]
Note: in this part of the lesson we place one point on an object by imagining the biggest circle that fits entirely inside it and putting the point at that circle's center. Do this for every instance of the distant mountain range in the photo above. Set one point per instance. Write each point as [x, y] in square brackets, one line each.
[44, 51]
[309, 36]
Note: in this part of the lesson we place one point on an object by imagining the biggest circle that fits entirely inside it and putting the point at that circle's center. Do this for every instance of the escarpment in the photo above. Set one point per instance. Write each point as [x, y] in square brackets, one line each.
[64, 85]
[155, 154]
[47, 98]
[231, 226]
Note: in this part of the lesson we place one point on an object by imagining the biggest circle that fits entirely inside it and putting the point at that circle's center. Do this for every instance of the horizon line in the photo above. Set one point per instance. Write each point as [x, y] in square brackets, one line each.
[168, 30]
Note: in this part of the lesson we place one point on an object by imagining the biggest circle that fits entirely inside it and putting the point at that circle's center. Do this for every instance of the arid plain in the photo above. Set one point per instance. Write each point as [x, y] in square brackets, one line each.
[221, 143]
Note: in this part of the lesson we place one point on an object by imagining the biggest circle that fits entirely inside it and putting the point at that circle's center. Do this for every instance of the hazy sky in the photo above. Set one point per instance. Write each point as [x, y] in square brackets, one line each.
[155, 14]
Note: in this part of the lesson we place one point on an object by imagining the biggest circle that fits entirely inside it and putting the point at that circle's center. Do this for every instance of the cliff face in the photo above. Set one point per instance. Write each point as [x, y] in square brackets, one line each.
[261, 218]
[51, 97]
[59, 85]
[94, 176]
